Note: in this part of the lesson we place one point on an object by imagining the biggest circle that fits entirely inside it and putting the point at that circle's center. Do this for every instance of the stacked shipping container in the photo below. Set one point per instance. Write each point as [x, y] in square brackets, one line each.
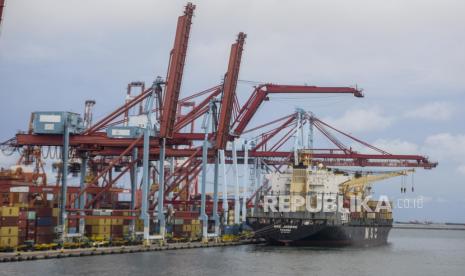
[104, 228]
[9, 217]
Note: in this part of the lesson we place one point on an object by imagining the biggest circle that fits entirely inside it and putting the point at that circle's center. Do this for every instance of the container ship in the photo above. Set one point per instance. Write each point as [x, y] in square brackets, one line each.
[316, 206]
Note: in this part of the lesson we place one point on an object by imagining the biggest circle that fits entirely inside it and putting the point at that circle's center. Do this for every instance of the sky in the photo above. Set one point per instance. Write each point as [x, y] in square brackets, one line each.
[407, 55]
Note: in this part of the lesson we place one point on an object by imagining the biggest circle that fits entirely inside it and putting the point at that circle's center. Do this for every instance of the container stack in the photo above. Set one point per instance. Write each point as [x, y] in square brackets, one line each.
[231, 229]
[383, 213]
[22, 225]
[117, 232]
[31, 225]
[126, 224]
[139, 225]
[178, 227]
[186, 225]
[98, 229]
[9, 217]
[45, 225]
[192, 228]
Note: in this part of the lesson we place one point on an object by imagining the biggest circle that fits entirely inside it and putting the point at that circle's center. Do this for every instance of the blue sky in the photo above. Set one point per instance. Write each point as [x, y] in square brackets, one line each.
[408, 56]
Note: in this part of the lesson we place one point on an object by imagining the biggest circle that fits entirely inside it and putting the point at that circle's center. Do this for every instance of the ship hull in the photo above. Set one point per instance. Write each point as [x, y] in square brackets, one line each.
[299, 234]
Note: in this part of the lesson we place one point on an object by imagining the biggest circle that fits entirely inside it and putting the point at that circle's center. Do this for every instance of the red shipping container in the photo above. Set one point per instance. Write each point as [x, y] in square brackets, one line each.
[8, 221]
[186, 214]
[72, 223]
[21, 240]
[117, 236]
[178, 228]
[88, 228]
[22, 215]
[22, 224]
[117, 229]
[45, 239]
[44, 230]
[44, 212]
[22, 232]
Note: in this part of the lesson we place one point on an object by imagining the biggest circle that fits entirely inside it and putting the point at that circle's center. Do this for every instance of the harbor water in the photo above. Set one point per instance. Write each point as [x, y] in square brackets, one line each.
[409, 252]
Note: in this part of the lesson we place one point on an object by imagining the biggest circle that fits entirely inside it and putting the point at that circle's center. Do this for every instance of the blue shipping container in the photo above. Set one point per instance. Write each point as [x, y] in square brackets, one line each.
[44, 221]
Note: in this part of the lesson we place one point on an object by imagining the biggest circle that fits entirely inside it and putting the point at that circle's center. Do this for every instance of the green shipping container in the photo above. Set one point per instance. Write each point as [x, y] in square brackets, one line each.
[31, 215]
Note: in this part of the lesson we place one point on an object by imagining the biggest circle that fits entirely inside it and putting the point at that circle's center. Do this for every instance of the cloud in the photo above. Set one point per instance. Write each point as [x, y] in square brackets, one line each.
[7, 160]
[446, 146]
[397, 146]
[361, 120]
[394, 146]
[461, 169]
[437, 111]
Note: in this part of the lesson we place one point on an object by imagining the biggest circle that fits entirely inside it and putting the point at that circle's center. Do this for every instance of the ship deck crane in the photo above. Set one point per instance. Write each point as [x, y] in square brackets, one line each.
[359, 185]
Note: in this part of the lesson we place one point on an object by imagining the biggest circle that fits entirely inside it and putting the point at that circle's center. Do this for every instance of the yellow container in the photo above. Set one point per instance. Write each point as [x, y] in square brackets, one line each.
[56, 212]
[125, 229]
[116, 221]
[9, 211]
[100, 237]
[8, 241]
[98, 221]
[90, 221]
[371, 215]
[139, 223]
[186, 228]
[387, 216]
[101, 229]
[8, 231]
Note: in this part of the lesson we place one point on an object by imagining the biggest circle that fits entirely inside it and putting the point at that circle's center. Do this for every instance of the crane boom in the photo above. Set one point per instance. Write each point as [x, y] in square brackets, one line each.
[261, 92]
[229, 90]
[175, 71]
[359, 184]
